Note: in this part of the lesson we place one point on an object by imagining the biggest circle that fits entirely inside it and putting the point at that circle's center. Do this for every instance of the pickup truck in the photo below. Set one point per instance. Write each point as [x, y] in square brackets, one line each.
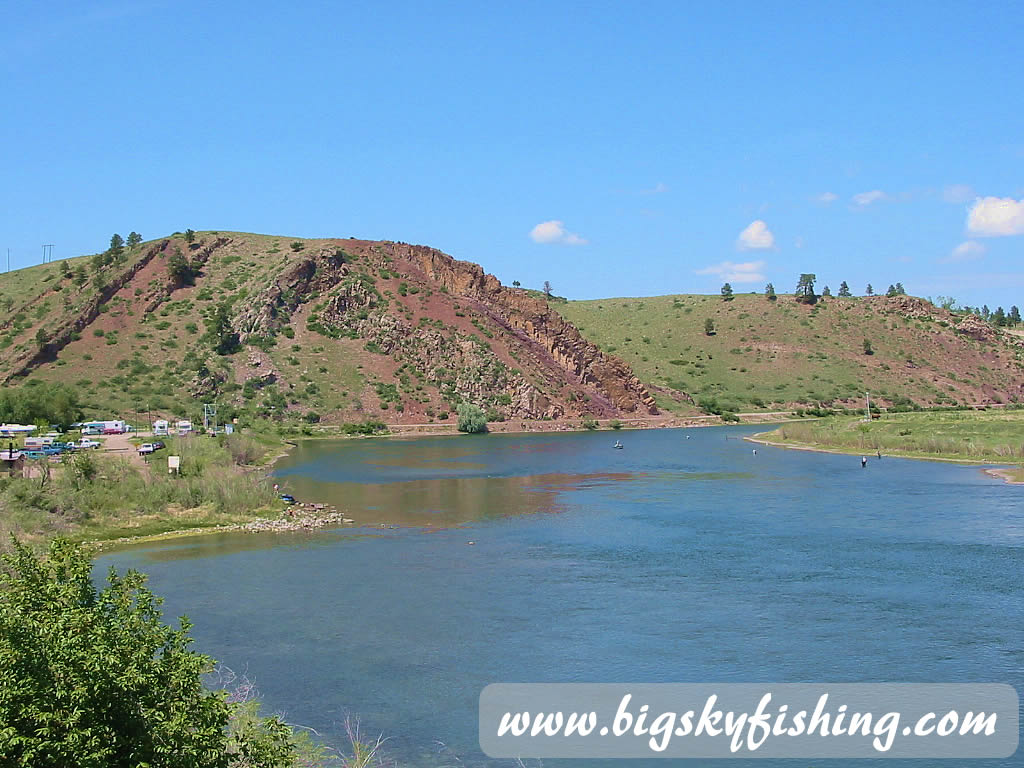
[86, 443]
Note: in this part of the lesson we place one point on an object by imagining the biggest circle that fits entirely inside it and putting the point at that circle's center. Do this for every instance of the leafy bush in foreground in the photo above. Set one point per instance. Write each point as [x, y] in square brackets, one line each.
[94, 678]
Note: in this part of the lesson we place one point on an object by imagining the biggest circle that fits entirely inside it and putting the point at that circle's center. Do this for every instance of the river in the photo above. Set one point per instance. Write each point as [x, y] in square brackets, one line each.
[685, 557]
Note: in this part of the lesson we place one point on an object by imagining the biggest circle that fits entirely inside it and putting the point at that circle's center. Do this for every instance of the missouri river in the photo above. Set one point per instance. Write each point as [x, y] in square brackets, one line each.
[685, 557]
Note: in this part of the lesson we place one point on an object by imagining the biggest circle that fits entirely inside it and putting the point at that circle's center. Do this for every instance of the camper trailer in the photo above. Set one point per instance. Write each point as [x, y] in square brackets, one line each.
[183, 427]
[114, 427]
[160, 427]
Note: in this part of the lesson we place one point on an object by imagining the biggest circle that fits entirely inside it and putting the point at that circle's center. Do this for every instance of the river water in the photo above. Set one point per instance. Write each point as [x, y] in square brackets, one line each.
[685, 557]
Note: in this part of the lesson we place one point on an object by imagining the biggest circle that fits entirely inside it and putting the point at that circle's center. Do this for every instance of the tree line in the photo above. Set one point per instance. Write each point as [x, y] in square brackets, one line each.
[805, 294]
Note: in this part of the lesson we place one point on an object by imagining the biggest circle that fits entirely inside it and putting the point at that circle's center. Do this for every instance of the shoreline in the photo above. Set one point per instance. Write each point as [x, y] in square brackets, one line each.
[995, 469]
[298, 517]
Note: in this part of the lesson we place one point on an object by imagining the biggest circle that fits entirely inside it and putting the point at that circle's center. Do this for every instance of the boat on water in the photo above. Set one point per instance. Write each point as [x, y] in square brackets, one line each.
[618, 445]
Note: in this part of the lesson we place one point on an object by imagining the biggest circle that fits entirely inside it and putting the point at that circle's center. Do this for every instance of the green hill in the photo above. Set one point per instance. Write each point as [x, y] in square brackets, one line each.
[336, 329]
[348, 330]
[782, 354]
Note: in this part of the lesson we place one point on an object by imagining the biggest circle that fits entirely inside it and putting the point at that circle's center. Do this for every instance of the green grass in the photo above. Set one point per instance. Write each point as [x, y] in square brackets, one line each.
[766, 355]
[99, 497]
[991, 436]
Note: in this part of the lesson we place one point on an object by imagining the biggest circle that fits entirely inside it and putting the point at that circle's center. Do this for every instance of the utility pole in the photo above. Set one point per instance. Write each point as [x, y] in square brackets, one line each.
[867, 411]
[47, 253]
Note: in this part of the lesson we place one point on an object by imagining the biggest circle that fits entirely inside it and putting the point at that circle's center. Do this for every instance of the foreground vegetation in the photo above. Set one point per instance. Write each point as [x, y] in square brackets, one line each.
[995, 435]
[96, 496]
[94, 678]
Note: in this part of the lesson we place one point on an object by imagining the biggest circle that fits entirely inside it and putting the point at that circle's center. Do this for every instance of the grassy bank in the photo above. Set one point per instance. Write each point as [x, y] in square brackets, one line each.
[94, 496]
[995, 436]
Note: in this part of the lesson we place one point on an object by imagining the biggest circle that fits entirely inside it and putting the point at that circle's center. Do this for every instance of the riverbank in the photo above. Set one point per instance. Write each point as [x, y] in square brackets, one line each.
[965, 437]
[519, 426]
[297, 517]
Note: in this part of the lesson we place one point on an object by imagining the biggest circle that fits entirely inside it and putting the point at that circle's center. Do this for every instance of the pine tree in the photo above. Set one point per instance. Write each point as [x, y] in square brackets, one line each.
[826, 291]
[727, 292]
[844, 290]
[870, 291]
[116, 245]
[769, 292]
[805, 289]
[180, 270]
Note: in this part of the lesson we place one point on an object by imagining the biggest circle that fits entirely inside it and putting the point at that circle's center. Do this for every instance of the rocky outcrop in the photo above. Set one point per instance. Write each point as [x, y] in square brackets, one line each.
[269, 311]
[206, 383]
[533, 320]
[975, 328]
[461, 367]
[913, 307]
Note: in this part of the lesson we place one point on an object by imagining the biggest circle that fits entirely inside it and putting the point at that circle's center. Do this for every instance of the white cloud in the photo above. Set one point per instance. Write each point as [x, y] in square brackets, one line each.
[864, 199]
[996, 216]
[827, 197]
[756, 237]
[957, 193]
[966, 251]
[728, 272]
[555, 232]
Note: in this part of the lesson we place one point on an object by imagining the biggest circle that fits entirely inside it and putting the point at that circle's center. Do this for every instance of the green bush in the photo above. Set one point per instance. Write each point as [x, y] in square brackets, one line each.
[93, 677]
[472, 419]
[364, 428]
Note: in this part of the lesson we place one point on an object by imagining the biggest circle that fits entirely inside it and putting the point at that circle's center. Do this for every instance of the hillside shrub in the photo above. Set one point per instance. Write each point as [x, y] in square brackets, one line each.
[472, 419]
[364, 428]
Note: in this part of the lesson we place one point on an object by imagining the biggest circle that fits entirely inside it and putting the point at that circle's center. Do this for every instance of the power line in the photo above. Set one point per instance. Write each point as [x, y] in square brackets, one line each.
[47, 253]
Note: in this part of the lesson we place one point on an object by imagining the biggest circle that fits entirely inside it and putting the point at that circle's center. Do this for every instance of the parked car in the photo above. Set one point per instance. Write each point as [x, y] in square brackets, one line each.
[145, 449]
[85, 443]
[158, 445]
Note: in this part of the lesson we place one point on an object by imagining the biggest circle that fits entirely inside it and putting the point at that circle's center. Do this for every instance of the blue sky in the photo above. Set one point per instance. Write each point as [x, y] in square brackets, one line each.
[611, 148]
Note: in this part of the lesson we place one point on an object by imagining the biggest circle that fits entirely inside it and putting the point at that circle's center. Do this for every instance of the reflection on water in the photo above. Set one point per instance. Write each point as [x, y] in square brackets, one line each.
[444, 501]
[450, 501]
